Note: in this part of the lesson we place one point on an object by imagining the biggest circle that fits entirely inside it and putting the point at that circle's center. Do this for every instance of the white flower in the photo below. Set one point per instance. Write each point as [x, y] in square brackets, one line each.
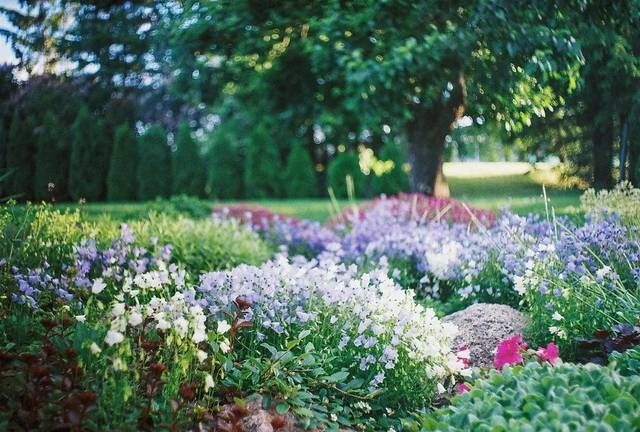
[95, 349]
[557, 317]
[135, 318]
[202, 356]
[441, 388]
[223, 327]
[181, 325]
[113, 337]
[208, 382]
[98, 286]
[199, 335]
[118, 309]
[224, 346]
[80, 318]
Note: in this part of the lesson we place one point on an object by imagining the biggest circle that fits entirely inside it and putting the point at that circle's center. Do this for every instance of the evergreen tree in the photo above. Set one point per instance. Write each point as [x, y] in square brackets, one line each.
[86, 167]
[188, 169]
[20, 149]
[51, 164]
[300, 179]
[154, 167]
[262, 177]
[345, 164]
[395, 180]
[226, 167]
[122, 177]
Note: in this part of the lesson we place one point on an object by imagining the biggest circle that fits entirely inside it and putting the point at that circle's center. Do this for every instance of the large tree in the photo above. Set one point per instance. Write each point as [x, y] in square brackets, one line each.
[416, 66]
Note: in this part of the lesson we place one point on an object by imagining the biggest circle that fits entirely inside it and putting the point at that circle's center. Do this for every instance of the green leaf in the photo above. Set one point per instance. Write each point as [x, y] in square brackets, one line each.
[337, 377]
[282, 408]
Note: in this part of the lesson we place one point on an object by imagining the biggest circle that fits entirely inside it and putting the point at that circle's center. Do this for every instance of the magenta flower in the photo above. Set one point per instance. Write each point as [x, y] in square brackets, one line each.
[508, 352]
[549, 353]
[462, 388]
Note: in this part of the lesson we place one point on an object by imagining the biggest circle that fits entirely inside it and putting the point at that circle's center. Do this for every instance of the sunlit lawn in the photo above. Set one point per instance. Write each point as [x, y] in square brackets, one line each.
[491, 186]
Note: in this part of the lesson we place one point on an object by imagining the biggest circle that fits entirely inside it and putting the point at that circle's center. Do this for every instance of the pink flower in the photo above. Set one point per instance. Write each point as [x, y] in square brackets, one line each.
[508, 352]
[462, 388]
[464, 355]
[549, 353]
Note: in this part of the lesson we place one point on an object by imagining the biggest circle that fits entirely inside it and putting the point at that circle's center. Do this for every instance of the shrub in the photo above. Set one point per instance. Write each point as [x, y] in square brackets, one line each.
[544, 397]
[263, 169]
[202, 245]
[394, 180]
[225, 173]
[188, 169]
[624, 200]
[121, 180]
[154, 170]
[344, 165]
[182, 205]
[87, 165]
[300, 178]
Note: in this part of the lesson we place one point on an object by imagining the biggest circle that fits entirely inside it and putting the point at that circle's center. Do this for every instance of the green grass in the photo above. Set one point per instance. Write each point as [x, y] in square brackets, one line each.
[492, 188]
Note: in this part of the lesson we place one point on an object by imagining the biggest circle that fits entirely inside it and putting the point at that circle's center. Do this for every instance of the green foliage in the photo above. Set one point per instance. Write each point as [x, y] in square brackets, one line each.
[394, 180]
[342, 166]
[20, 152]
[87, 166]
[623, 200]
[121, 180]
[544, 397]
[203, 245]
[181, 205]
[188, 168]
[626, 363]
[225, 171]
[33, 234]
[263, 170]
[300, 178]
[154, 169]
[51, 163]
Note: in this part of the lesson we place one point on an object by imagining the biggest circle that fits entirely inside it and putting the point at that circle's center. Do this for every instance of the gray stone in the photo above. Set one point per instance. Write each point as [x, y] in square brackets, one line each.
[481, 326]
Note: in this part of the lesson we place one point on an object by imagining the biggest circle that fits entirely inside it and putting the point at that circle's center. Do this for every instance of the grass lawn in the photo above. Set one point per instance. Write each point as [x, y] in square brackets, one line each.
[486, 185]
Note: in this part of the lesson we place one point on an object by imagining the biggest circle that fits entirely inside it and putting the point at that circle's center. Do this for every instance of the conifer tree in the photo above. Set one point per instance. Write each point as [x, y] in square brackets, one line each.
[225, 171]
[51, 161]
[262, 165]
[154, 164]
[86, 170]
[300, 179]
[20, 156]
[122, 177]
[188, 167]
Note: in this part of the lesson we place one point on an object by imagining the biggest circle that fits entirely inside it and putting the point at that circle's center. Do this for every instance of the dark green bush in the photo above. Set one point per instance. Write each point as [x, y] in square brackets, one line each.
[121, 180]
[182, 205]
[394, 181]
[345, 164]
[544, 397]
[300, 179]
[154, 169]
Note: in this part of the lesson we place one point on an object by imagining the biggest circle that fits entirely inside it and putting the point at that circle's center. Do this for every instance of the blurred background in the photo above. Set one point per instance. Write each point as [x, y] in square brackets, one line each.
[267, 100]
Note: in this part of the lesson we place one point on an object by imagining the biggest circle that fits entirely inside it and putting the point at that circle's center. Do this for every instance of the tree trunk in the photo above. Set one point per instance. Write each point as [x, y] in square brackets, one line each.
[624, 149]
[634, 161]
[426, 133]
[602, 152]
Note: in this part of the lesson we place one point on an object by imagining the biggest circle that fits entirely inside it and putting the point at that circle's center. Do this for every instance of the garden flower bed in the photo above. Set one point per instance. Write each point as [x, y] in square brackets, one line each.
[180, 324]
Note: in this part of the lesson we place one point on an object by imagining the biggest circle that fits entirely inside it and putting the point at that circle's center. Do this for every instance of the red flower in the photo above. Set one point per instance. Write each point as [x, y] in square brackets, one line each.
[550, 353]
[508, 352]
[186, 391]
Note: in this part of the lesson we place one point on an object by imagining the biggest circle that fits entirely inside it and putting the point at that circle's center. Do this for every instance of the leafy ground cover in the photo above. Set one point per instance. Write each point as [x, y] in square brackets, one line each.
[176, 322]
